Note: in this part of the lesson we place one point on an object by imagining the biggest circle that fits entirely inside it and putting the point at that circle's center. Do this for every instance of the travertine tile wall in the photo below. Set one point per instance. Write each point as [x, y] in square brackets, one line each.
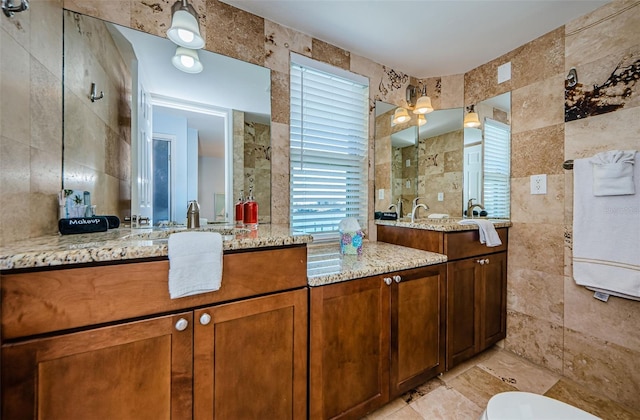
[97, 135]
[551, 321]
[30, 121]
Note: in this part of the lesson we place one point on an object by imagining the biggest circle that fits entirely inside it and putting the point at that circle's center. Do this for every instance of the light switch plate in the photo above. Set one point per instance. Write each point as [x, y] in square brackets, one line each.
[408, 184]
[407, 163]
[539, 184]
[440, 196]
[381, 194]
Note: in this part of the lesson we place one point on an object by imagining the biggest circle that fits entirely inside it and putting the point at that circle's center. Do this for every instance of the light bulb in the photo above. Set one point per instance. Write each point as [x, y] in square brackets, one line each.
[187, 61]
[186, 36]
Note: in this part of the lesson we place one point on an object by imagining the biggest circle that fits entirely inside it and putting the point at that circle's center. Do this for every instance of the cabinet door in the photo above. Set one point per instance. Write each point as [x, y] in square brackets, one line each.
[137, 370]
[463, 315]
[250, 358]
[418, 328]
[493, 300]
[349, 354]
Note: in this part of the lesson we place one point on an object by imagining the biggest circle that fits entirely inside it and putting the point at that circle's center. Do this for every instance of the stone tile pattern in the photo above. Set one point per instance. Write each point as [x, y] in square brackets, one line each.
[127, 243]
[97, 145]
[551, 321]
[257, 166]
[464, 391]
[30, 121]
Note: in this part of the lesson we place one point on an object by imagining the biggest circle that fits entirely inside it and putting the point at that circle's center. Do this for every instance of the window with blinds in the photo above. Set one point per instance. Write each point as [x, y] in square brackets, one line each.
[328, 149]
[497, 152]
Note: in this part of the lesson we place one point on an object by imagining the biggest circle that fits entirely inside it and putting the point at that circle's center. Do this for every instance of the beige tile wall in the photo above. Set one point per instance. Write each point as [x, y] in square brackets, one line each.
[551, 321]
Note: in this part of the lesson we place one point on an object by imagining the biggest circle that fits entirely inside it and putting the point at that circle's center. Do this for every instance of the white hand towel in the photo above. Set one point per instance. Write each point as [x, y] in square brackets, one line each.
[438, 216]
[195, 263]
[488, 233]
[606, 236]
[613, 173]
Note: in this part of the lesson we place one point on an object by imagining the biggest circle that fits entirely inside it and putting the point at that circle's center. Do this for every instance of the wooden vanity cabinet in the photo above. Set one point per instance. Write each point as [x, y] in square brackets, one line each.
[108, 342]
[476, 305]
[373, 339]
[476, 291]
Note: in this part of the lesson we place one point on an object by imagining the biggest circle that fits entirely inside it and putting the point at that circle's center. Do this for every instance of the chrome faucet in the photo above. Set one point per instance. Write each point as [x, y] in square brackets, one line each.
[415, 208]
[398, 207]
[471, 206]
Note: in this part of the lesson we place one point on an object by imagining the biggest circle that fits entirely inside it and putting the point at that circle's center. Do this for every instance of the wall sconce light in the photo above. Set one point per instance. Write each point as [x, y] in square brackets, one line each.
[471, 120]
[10, 9]
[185, 30]
[400, 116]
[187, 60]
[422, 120]
[423, 105]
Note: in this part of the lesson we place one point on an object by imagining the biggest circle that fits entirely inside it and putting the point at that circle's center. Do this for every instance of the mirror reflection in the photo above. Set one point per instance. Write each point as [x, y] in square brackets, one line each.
[419, 161]
[487, 160]
[159, 137]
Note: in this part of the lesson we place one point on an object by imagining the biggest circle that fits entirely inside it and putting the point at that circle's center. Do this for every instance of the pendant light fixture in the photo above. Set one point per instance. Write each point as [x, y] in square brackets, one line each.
[187, 60]
[185, 30]
[422, 120]
[400, 116]
[471, 119]
[423, 105]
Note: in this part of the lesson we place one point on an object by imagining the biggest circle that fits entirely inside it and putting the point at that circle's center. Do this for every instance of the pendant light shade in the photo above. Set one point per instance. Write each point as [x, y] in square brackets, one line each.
[185, 30]
[471, 119]
[423, 105]
[400, 116]
[187, 60]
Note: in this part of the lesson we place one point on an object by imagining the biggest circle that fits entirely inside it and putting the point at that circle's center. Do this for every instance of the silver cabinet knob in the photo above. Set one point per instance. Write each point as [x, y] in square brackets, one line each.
[388, 281]
[481, 262]
[205, 319]
[486, 261]
[182, 324]
[398, 279]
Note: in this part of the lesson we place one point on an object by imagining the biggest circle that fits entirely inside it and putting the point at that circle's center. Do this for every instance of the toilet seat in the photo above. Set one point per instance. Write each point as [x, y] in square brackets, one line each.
[525, 405]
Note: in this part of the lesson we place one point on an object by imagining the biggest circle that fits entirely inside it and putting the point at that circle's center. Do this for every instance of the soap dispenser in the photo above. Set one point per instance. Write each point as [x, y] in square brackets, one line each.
[193, 215]
[251, 211]
[240, 211]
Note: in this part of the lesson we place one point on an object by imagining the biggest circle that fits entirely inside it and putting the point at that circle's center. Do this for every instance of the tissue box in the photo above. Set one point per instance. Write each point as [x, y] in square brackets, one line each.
[351, 242]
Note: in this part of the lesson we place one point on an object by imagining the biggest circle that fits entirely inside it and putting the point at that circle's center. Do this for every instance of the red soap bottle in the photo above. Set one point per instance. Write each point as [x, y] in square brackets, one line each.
[251, 211]
[240, 211]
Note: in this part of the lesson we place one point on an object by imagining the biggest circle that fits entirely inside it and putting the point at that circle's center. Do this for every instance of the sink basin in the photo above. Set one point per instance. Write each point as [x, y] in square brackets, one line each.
[163, 233]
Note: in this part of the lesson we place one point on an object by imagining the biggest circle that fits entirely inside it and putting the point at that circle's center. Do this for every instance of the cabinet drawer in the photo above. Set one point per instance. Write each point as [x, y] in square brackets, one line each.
[466, 244]
[60, 299]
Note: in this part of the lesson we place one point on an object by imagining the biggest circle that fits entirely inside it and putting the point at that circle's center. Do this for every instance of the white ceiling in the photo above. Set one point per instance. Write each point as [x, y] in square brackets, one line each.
[423, 38]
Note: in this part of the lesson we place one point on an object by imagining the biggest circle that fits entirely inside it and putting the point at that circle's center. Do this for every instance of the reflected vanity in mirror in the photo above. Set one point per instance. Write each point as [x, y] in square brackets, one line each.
[444, 164]
[419, 161]
[159, 137]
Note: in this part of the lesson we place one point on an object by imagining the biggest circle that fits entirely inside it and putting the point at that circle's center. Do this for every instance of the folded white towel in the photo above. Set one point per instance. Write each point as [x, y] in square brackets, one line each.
[438, 216]
[488, 234]
[195, 263]
[606, 236]
[613, 173]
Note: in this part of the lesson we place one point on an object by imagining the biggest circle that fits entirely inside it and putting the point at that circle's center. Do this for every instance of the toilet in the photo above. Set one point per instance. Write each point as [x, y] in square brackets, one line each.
[518, 405]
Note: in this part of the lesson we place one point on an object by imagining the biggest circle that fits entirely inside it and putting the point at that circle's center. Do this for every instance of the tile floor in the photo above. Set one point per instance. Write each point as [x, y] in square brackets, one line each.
[463, 392]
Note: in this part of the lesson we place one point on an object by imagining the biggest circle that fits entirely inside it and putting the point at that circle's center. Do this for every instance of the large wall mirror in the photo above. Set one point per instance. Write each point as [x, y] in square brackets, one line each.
[418, 159]
[444, 163]
[487, 158]
[153, 137]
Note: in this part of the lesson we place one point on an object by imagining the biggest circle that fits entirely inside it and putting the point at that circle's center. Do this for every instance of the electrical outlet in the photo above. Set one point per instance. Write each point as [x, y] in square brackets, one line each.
[538, 184]
[407, 163]
[381, 194]
[440, 196]
[408, 184]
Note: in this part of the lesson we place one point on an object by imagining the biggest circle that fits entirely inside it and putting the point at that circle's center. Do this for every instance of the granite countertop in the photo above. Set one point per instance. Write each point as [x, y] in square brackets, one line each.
[127, 243]
[441, 225]
[325, 264]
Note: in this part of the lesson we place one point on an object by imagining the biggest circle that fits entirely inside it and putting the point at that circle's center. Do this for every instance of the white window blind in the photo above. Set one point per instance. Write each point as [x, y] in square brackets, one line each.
[497, 152]
[329, 132]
